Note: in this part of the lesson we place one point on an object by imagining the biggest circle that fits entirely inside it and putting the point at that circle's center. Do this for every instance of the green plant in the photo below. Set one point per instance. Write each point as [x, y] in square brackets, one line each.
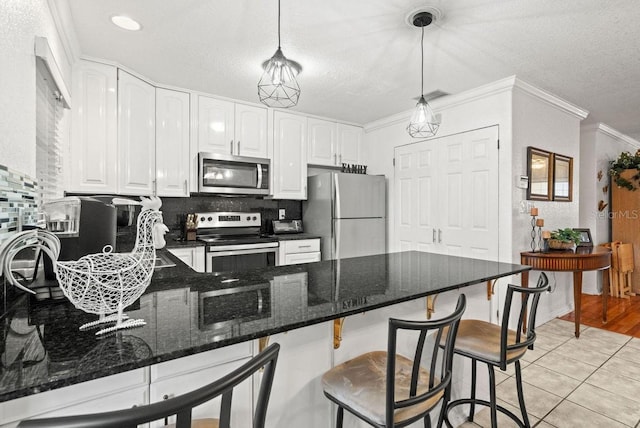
[566, 235]
[626, 161]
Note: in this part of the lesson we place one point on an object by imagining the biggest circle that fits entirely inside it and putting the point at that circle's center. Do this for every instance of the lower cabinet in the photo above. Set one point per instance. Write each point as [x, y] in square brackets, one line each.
[115, 392]
[299, 251]
[191, 256]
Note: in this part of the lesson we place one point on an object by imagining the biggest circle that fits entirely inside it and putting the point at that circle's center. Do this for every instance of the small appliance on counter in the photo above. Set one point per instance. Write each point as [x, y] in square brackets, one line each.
[84, 225]
[281, 227]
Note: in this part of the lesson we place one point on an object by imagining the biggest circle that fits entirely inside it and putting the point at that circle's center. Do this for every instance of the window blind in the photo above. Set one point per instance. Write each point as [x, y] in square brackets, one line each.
[49, 112]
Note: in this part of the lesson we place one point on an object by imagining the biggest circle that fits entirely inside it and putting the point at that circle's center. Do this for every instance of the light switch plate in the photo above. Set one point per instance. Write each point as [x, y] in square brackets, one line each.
[281, 214]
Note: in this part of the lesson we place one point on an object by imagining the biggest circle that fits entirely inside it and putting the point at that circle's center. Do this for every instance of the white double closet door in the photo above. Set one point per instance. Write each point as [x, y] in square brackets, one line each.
[446, 195]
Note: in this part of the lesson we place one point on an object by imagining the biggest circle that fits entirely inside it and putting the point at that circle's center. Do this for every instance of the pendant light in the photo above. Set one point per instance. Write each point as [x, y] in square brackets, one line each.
[423, 123]
[278, 86]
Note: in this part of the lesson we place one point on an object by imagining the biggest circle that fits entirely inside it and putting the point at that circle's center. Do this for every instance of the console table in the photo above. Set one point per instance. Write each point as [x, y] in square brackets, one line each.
[583, 259]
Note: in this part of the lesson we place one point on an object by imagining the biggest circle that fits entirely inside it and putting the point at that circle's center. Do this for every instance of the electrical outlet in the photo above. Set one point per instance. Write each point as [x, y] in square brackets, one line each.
[281, 214]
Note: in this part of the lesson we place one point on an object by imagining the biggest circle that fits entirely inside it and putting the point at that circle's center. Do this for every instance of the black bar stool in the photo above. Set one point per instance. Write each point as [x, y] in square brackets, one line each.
[397, 391]
[182, 405]
[498, 346]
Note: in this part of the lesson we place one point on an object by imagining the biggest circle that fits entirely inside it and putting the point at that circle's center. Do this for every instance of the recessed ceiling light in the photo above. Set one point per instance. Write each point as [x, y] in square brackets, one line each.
[126, 23]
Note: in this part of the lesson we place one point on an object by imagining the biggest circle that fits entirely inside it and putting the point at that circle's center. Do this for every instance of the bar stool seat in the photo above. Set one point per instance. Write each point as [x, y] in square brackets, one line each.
[360, 385]
[481, 340]
[386, 389]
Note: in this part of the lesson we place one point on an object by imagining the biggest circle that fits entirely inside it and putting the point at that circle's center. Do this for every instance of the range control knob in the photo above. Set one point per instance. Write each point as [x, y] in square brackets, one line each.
[202, 219]
[255, 218]
[210, 218]
[248, 218]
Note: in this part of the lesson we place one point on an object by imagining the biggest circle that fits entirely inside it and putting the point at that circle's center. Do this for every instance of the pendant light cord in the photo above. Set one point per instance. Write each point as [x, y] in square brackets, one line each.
[278, 24]
[421, 61]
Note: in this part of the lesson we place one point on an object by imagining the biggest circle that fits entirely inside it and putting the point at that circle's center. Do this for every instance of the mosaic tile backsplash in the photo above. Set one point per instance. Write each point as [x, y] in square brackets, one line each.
[18, 200]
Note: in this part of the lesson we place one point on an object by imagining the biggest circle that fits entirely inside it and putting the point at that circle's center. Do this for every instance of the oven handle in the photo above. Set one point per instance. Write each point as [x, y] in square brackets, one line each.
[241, 252]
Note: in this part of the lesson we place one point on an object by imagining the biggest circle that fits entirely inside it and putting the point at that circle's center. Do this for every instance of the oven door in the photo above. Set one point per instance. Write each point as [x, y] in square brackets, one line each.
[240, 260]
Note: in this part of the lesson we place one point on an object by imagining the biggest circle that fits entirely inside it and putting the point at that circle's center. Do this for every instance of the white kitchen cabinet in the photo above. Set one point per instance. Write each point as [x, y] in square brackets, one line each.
[293, 252]
[349, 141]
[191, 256]
[176, 377]
[289, 156]
[136, 135]
[332, 144]
[322, 149]
[94, 129]
[119, 391]
[230, 128]
[172, 143]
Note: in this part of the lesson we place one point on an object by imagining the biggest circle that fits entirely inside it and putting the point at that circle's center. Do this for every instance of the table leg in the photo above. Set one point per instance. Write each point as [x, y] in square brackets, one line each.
[577, 299]
[605, 293]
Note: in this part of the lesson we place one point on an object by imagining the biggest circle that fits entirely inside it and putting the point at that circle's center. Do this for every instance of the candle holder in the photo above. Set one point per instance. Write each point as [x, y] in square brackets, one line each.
[533, 233]
[540, 242]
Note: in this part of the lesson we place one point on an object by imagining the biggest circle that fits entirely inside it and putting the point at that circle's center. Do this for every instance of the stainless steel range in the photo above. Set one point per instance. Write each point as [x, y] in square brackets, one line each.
[234, 241]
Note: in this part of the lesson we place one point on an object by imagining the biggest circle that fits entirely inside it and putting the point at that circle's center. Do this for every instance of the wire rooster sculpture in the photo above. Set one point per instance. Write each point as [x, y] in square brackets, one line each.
[106, 283]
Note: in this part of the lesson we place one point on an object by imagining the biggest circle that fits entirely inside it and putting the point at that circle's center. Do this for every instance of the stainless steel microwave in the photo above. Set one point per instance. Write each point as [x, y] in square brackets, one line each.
[233, 175]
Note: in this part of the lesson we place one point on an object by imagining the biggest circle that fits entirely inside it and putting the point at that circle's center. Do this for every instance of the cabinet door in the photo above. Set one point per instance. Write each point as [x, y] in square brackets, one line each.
[94, 132]
[349, 140]
[172, 142]
[215, 126]
[198, 259]
[136, 135]
[322, 142]
[289, 156]
[192, 257]
[250, 131]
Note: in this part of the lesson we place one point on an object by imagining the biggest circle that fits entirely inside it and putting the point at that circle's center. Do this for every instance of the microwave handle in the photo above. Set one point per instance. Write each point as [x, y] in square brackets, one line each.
[259, 185]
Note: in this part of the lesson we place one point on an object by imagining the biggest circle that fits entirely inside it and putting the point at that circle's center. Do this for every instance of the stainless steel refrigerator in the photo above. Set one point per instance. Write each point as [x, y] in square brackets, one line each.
[348, 212]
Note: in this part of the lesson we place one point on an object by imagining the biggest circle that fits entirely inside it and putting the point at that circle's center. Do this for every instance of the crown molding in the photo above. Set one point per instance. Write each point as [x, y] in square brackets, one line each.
[610, 132]
[500, 86]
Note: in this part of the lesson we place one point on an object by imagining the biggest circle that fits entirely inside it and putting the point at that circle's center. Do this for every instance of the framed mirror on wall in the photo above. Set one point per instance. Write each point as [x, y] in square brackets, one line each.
[540, 172]
[562, 178]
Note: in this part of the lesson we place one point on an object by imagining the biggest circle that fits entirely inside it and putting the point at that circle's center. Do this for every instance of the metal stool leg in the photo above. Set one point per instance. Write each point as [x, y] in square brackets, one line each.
[492, 397]
[472, 406]
[523, 409]
[339, 417]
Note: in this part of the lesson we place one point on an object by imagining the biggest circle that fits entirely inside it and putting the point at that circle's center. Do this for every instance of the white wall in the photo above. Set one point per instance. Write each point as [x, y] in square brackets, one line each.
[599, 144]
[20, 22]
[526, 116]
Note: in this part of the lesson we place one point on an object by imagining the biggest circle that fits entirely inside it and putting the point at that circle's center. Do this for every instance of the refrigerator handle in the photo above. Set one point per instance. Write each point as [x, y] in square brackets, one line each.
[336, 239]
[336, 198]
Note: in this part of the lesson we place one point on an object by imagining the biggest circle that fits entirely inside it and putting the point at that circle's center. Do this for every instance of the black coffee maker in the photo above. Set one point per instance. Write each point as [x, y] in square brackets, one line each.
[84, 225]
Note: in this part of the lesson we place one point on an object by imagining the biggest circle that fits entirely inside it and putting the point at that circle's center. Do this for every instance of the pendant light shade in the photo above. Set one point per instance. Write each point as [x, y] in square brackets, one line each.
[423, 123]
[278, 86]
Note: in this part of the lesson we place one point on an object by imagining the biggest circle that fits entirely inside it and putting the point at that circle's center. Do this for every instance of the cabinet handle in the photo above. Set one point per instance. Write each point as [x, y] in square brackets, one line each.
[439, 236]
[238, 147]
[335, 159]
[165, 397]
[166, 418]
[340, 158]
[231, 146]
[155, 187]
[186, 188]
[433, 238]
[304, 246]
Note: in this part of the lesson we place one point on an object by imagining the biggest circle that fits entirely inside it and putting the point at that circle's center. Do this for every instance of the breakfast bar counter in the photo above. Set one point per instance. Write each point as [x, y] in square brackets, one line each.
[188, 313]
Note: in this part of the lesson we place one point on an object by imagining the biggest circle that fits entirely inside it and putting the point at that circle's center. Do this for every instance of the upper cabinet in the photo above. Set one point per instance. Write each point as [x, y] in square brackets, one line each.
[172, 142]
[349, 141]
[136, 135]
[289, 156]
[231, 128]
[126, 139]
[94, 128]
[332, 144]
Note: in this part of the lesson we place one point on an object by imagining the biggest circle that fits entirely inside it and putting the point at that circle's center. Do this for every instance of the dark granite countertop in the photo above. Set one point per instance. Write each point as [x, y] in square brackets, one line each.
[42, 348]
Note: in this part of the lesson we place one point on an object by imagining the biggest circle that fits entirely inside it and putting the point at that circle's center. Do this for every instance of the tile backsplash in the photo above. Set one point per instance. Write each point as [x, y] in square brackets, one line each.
[18, 201]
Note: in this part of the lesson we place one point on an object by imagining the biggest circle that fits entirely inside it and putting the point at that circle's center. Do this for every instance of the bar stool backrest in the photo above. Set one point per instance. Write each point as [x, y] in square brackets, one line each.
[527, 313]
[182, 405]
[440, 363]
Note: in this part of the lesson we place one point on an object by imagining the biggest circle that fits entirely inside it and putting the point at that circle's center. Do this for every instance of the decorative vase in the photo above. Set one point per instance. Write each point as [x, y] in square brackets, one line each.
[556, 244]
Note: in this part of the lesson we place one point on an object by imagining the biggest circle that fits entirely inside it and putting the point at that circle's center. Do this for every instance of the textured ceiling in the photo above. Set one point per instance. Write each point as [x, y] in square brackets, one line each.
[361, 60]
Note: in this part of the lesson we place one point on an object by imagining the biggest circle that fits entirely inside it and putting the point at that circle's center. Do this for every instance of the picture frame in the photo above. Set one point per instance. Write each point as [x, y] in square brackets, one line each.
[562, 178]
[540, 173]
[585, 238]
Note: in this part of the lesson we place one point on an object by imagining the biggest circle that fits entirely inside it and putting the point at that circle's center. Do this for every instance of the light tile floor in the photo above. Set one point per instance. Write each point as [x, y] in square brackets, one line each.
[593, 381]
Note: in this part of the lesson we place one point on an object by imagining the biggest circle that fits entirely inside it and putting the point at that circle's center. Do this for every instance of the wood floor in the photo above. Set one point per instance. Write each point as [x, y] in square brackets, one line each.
[623, 314]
